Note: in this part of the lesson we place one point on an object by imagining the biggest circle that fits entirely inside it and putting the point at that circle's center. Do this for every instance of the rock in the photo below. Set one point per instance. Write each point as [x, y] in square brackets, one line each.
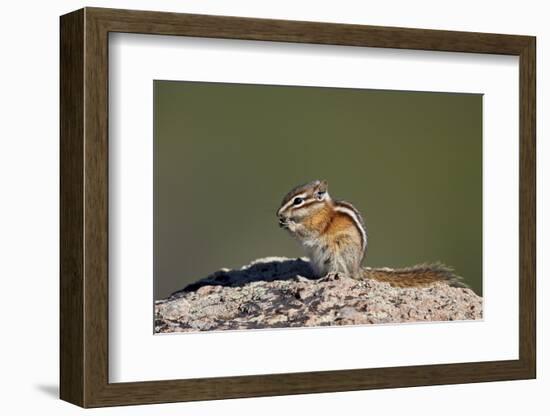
[278, 292]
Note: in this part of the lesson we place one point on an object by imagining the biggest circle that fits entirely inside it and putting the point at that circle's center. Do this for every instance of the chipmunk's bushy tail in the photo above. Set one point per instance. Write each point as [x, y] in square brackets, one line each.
[416, 276]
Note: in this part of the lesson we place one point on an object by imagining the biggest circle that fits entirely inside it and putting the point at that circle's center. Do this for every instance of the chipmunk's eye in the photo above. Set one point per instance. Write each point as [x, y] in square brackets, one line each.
[298, 201]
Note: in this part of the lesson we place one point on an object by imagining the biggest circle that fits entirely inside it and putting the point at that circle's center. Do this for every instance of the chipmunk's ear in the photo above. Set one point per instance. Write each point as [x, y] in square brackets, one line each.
[321, 190]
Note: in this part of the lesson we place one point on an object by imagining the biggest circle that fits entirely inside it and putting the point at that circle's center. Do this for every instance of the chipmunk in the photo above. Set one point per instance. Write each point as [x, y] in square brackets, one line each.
[334, 236]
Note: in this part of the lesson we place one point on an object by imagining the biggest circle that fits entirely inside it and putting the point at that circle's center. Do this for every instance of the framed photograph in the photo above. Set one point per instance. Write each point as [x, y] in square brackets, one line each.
[254, 207]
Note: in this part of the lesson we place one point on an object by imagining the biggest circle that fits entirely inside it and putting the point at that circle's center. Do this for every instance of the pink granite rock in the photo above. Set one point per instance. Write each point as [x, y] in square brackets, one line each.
[278, 293]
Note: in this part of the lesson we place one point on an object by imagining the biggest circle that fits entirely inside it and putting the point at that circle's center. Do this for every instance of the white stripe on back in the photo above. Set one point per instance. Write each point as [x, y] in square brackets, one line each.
[348, 209]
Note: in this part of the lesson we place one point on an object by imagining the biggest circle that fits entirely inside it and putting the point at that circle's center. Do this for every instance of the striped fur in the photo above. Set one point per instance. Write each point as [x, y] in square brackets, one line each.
[332, 232]
[348, 209]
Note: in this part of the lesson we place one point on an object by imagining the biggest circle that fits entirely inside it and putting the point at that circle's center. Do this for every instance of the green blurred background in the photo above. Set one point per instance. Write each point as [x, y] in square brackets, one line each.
[226, 154]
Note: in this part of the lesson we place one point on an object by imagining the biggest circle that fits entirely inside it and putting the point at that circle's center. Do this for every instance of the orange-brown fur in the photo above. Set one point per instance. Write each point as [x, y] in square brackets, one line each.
[341, 231]
[333, 226]
[320, 220]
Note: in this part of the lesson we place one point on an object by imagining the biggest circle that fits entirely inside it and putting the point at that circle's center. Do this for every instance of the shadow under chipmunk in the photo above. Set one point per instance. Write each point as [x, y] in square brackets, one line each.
[277, 268]
[266, 270]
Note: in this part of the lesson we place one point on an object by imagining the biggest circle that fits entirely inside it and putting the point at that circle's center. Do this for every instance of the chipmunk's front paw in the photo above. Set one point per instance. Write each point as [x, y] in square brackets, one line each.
[330, 277]
[293, 227]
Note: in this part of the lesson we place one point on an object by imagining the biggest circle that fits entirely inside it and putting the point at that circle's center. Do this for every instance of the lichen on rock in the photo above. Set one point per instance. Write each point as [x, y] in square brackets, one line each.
[278, 292]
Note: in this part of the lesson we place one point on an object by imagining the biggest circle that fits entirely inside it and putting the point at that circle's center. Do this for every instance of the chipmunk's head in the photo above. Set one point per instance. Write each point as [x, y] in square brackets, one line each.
[303, 201]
